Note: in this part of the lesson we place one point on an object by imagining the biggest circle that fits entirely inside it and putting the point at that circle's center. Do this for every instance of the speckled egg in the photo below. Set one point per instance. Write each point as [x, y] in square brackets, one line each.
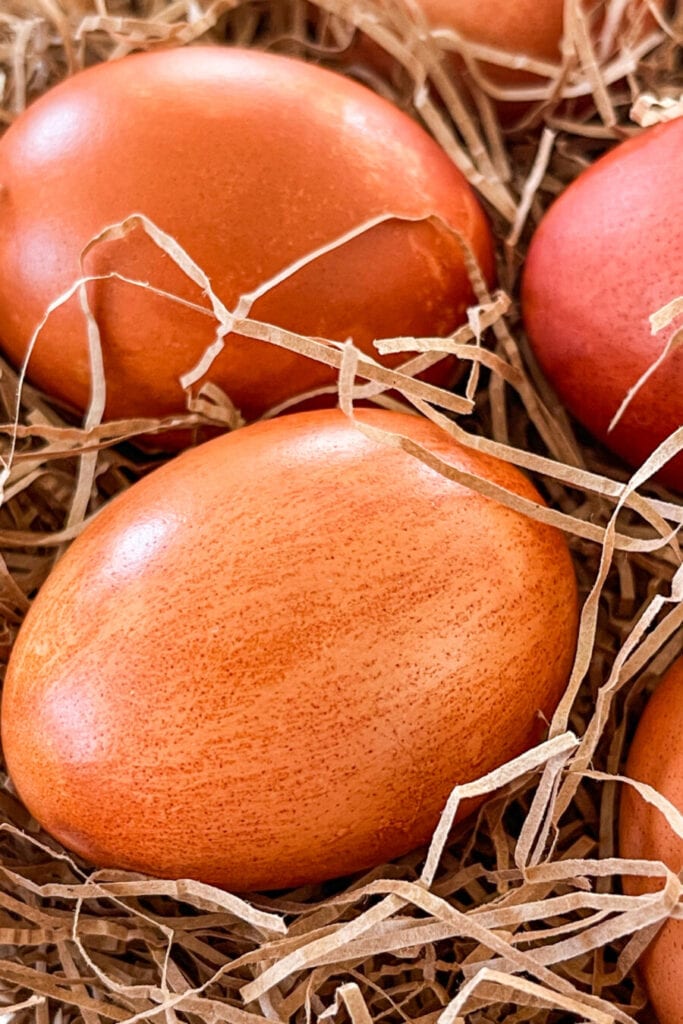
[251, 162]
[268, 662]
[656, 757]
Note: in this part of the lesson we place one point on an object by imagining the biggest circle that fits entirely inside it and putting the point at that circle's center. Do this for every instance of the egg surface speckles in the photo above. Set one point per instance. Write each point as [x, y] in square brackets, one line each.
[656, 757]
[607, 255]
[251, 161]
[268, 662]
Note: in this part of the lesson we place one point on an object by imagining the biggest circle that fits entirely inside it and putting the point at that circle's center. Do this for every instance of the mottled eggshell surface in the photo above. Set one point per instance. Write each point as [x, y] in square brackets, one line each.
[607, 255]
[269, 661]
[251, 161]
[656, 757]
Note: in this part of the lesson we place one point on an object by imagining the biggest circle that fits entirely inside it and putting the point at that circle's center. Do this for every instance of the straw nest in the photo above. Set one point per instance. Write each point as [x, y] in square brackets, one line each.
[517, 916]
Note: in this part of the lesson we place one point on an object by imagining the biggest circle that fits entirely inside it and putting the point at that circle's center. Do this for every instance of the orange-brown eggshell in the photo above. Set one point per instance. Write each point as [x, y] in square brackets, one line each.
[607, 255]
[268, 662]
[527, 28]
[656, 757]
[250, 161]
[524, 30]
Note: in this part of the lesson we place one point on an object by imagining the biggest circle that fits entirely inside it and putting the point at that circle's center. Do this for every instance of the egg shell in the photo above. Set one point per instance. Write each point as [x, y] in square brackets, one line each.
[251, 161]
[656, 757]
[528, 27]
[607, 255]
[532, 28]
[268, 662]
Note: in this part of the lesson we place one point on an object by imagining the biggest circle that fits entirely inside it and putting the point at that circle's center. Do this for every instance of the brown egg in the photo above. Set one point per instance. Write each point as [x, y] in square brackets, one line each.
[532, 29]
[656, 757]
[522, 32]
[251, 161]
[269, 661]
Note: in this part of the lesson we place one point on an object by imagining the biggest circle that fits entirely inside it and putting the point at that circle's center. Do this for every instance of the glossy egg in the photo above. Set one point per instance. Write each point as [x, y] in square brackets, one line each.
[251, 161]
[268, 662]
[656, 757]
[607, 255]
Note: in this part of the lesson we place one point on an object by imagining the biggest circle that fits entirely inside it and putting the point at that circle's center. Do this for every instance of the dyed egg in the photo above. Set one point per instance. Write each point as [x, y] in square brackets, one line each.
[656, 757]
[268, 662]
[251, 162]
[607, 255]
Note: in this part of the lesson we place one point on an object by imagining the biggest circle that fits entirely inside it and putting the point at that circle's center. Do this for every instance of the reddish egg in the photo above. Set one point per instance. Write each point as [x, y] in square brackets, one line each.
[250, 161]
[656, 757]
[607, 255]
[268, 662]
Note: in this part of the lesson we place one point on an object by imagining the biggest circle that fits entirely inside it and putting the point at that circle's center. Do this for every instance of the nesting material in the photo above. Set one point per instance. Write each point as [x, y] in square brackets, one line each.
[518, 915]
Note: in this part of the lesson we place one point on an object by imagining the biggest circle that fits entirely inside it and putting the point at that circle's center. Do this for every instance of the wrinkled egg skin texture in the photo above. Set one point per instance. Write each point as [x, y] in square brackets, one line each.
[656, 757]
[269, 661]
[251, 161]
[607, 255]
